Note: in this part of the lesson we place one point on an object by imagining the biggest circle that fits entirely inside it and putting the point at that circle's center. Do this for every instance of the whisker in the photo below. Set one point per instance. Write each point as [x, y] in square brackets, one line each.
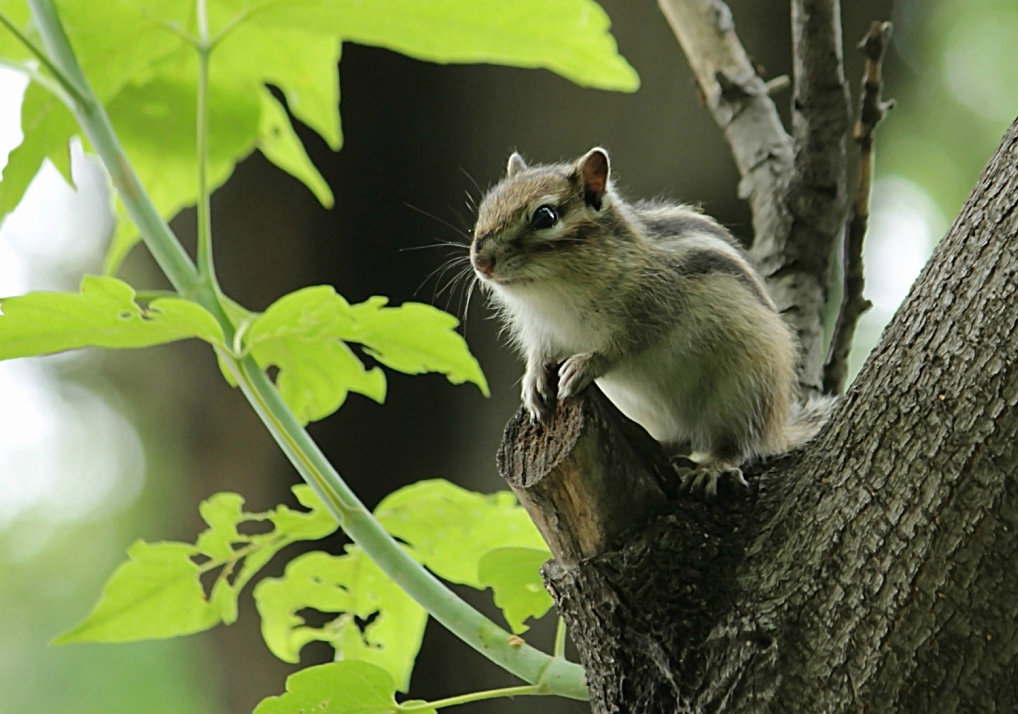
[469, 232]
[455, 229]
[463, 271]
[472, 180]
[439, 272]
[463, 280]
[466, 302]
[436, 244]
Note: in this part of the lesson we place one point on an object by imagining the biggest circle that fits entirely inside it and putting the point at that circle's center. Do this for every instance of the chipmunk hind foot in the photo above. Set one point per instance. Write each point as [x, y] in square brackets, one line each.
[702, 476]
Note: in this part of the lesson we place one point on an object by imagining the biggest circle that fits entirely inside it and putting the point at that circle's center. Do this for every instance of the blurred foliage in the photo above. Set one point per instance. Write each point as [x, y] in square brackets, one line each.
[956, 93]
[48, 578]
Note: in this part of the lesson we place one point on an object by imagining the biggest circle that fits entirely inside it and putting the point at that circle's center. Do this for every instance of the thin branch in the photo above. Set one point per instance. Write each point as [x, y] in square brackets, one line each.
[206, 265]
[820, 123]
[796, 190]
[853, 304]
[560, 638]
[799, 261]
[504, 692]
[36, 75]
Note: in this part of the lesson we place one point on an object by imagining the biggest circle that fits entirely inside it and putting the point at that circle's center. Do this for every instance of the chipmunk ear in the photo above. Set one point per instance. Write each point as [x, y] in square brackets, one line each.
[516, 164]
[592, 169]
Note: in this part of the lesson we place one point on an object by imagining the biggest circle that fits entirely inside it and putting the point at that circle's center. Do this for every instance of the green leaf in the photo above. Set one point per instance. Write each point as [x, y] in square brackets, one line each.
[223, 512]
[462, 536]
[158, 593]
[350, 586]
[103, 314]
[154, 118]
[414, 338]
[336, 688]
[515, 576]
[281, 147]
[299, 334]
[314, 523]
[115, 43]
[286, 58]
[47, 126]
[569, 37]
[18, 13]
[141, 62]
[449, 528]
[304, 335]
[155, 594]
[289, 526]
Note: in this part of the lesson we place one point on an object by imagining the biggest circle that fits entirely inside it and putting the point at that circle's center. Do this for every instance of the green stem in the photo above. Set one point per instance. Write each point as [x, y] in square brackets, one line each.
[43, 80]
[551, 675]
[204, 207]
[560, 638]
[472, 697]
[167, 251]
[548, 674]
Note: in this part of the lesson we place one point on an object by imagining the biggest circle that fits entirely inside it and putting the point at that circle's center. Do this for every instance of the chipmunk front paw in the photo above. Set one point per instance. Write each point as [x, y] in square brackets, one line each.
[577, 372]
[538, 393]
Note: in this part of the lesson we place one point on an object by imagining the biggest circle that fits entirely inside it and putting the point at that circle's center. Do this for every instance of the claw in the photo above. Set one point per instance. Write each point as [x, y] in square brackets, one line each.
[704, 478]
[538, 393]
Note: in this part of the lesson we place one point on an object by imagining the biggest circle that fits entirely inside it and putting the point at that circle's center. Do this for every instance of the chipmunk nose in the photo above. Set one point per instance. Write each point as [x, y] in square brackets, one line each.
[483, 264]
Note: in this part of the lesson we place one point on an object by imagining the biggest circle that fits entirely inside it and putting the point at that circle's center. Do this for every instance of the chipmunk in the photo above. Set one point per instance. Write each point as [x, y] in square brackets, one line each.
[655, 302]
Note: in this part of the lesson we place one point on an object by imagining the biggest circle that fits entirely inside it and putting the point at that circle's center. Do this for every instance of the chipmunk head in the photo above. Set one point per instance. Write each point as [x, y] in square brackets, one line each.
[537, 213]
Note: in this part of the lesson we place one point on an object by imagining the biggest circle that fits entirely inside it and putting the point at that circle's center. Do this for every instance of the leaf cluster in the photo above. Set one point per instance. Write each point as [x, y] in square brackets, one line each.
[307, 335]
[169, 589]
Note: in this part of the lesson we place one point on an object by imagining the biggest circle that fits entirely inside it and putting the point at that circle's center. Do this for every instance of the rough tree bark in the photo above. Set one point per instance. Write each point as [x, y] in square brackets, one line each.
[875, 570]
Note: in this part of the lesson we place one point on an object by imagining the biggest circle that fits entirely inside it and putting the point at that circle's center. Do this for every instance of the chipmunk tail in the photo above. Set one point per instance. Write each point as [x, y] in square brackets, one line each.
[807, 418]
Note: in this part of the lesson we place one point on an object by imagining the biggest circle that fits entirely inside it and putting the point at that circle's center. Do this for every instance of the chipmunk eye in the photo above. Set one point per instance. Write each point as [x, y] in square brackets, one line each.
[544, 217]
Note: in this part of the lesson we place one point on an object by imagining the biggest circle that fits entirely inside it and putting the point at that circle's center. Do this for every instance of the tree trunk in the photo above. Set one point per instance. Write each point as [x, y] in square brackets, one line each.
[875, 570]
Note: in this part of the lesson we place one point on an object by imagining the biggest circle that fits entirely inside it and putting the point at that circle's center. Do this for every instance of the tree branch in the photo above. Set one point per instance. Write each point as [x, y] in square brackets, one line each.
[799, 261]
[631, 565]
[853, 304]
[911, 491]
[820, 121]
[582, 489]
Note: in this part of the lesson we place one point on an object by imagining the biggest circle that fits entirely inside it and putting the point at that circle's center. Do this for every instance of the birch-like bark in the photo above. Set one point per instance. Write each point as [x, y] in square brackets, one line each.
[737, 98]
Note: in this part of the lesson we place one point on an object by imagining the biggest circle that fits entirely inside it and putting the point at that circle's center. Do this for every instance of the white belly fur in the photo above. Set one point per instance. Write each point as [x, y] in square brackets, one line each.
[666, 391]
